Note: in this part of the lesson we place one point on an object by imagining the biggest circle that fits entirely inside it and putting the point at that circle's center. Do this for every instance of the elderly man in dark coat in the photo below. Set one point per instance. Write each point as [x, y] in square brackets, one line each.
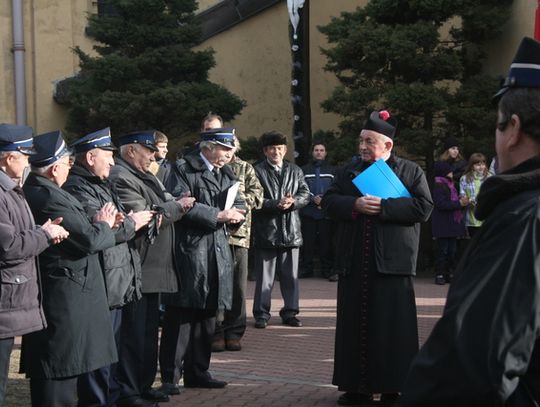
[140, 190]
[21, 310]
[277, 234]
[377, 247]
[79, 337]
[87, 181]
[485, 350]
[204, 258]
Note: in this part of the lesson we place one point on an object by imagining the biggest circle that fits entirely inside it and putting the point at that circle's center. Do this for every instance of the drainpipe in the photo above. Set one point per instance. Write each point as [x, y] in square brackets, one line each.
[18, 55]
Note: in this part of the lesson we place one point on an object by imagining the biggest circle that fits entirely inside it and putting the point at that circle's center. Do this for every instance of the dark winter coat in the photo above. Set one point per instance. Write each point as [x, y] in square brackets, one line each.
[443, 223]
[204, 256]
[121, 263]
[397, 227]
[485, 350]
[139, 191]
[20, 243]
[326, 178]
[79, 336]
[273, 227]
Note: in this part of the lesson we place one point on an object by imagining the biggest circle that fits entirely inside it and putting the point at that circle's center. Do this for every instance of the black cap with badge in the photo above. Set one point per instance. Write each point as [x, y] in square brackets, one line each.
[223, 136]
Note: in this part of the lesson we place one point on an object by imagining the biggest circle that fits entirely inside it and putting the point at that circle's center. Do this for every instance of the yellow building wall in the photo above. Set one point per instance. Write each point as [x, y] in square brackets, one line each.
[253, 60]
[51, 29]
[502, 49]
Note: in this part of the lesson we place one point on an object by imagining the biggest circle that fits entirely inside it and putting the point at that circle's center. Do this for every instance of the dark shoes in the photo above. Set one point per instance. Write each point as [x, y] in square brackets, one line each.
[260, 323]
[136, 402]
[292, 321]
[218, 345]
[440, 280]
[170, 389]
[155, 395]
[207, 384]
[333, 277]
[233, 345]
[354, 399]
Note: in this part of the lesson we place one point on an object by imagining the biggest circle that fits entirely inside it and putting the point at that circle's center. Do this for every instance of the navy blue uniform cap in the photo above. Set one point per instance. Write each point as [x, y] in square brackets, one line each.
[223, 136]
[16, 138]
[98, 139]
[144, 138]
[524, 70]
[49, 148]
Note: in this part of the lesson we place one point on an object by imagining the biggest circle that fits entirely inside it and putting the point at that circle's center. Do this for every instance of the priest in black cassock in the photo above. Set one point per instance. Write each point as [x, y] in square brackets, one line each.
[377, 247]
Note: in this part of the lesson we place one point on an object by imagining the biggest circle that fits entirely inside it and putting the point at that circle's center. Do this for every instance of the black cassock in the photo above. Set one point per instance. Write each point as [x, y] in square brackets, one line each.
[376, 332]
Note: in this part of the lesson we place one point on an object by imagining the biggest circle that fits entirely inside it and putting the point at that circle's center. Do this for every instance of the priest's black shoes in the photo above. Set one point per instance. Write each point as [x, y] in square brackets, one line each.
[354, 399]
[292, 321]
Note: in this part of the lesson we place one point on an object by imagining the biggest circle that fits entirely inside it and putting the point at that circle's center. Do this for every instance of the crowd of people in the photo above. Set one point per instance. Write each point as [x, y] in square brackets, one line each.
[101, 242]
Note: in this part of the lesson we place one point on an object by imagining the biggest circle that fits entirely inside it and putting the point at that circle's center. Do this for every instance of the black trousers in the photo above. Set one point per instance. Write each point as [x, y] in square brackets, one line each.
[186, 343]
[137, 365]
[53, 392]
[99, 388]
[6, 345]
[234, 321]
[317, 237]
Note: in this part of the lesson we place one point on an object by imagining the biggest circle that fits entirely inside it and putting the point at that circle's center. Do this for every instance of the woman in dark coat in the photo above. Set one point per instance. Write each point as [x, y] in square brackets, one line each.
[447, 221]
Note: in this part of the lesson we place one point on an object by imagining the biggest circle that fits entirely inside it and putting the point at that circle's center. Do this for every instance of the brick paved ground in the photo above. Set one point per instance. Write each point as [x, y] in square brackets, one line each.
[278, 366]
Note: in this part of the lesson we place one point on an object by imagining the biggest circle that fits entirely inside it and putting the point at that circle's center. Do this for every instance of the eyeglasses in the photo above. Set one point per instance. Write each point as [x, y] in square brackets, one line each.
[502, 125]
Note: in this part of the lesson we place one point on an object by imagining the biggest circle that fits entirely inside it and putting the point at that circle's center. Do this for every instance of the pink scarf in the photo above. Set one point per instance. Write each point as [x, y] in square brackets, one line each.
[458, 213]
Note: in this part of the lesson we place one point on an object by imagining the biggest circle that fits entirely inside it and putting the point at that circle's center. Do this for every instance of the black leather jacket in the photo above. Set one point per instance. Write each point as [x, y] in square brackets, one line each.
[273, 227]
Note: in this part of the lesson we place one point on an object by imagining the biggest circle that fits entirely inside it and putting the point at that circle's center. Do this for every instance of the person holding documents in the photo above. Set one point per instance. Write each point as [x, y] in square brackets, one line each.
[203, 256]
[377, 246]
[276, 230]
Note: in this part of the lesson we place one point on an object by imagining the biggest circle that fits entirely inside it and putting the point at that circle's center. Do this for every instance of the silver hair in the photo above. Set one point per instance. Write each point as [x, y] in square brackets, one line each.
[4, 154]
[44, 170]
[207, 145]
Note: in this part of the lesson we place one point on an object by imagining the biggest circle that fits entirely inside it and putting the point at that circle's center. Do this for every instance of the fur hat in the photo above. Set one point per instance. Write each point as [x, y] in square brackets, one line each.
[273, 138]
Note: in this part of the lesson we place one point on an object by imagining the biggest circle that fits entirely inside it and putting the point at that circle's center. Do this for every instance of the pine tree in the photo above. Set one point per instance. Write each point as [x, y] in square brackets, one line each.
[145, 73]
[422, 60]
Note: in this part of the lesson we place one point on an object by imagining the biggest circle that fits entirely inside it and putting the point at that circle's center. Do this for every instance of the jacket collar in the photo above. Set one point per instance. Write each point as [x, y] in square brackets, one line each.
[6, 183]
[82, 171]
[498, 188]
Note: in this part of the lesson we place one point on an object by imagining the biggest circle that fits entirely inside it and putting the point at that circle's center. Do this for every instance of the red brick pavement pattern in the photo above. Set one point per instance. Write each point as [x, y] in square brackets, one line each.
[282, 366]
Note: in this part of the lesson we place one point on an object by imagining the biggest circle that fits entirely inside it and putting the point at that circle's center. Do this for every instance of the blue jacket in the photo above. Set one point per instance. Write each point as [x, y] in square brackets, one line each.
[318, 176]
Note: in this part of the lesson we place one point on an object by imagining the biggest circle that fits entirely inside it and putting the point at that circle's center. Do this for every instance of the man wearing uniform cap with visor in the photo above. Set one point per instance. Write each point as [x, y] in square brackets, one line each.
[21, 241]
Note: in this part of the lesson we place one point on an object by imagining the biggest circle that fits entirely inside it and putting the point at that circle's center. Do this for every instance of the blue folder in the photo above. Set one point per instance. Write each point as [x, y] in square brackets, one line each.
[379, 180]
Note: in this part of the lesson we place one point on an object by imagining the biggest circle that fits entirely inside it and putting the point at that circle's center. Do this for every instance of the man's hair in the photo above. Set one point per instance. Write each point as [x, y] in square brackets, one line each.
[318, 143]
[207, 145]
[525, 103]
[209, 117]
[43, 170]
[4, 154]
[160, 137]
